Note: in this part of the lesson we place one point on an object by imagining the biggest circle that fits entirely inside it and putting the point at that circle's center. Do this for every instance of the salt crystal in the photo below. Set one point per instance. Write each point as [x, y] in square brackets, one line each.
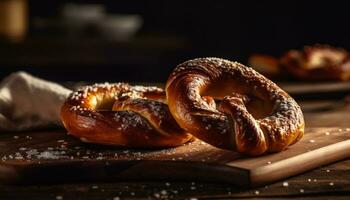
[48, 155]
[157, 195]
[285, 184]
[59, 197]
[116, 198]
[269, 162]
[327, 133]
[257, 192]
[301, 191]
[193, 198]
[94, 187]
[331, 183]
[164, 192]
[311, 141]
[15, 137]
[167, 184]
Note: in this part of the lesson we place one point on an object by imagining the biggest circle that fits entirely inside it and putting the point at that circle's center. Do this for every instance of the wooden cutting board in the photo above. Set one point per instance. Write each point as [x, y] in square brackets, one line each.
[52, 156]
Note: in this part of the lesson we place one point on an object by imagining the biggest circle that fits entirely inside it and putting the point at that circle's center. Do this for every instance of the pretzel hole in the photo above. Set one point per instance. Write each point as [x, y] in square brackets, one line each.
[255, 105]
[102, 102]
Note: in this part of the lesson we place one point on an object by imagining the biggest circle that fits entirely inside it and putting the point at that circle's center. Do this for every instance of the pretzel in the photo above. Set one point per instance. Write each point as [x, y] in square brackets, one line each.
[231, 106]
[318, 62]
[267, 65]
[122, 115]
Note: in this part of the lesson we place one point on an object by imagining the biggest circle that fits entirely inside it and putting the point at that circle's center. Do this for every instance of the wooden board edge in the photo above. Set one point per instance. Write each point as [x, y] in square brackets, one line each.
[113, 170]
[300, 163]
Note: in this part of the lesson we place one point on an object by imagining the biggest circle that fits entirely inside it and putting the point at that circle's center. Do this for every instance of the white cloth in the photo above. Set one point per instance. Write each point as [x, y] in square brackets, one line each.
[27, 102]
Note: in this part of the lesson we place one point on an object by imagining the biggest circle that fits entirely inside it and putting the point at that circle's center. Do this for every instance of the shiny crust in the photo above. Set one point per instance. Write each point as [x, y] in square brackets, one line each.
[318, 62]
[251, 115]
[122, 115]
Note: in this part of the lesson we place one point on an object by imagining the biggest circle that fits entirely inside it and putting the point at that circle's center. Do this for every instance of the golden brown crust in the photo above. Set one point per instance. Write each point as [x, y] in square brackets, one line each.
[318, 62]
[122, 115]
[253, 114]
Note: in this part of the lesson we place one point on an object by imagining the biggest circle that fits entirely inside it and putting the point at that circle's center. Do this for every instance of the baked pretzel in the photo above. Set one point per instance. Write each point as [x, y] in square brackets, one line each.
[267, 65]
[122, 115]
[318, 62]
[231, 106]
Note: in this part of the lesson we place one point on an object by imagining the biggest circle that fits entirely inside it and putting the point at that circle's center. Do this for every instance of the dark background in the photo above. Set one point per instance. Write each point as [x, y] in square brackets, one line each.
[172, 32]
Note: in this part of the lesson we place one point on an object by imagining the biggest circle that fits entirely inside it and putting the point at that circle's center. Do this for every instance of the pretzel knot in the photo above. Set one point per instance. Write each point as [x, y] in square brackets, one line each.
[231, 106]
[318, 62]
[122, 115]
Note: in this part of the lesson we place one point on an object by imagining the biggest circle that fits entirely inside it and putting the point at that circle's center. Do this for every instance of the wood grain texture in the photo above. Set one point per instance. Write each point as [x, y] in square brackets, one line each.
[55, 157]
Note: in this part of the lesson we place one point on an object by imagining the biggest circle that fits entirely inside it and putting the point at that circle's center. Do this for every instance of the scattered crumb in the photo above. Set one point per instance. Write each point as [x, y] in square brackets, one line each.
[58, 197]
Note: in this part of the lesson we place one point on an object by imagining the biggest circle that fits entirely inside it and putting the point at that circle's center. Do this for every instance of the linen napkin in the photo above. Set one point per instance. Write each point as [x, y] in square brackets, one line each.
[28, 102]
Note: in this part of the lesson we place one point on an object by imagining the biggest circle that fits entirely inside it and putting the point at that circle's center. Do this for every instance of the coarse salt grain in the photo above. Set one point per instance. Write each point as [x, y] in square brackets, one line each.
[94, 187]
[285, 184]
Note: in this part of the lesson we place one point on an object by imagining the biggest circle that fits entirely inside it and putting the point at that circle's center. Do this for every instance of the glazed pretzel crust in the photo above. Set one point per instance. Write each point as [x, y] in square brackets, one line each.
[122, 115]
[231, 106]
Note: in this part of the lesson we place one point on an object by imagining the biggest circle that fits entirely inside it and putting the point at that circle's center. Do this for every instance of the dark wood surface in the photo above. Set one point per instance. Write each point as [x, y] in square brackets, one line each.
[53, 156]
[332, 181]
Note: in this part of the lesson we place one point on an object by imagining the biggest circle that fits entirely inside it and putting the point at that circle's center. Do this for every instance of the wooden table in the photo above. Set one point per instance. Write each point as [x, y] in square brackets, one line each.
[328, 182]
